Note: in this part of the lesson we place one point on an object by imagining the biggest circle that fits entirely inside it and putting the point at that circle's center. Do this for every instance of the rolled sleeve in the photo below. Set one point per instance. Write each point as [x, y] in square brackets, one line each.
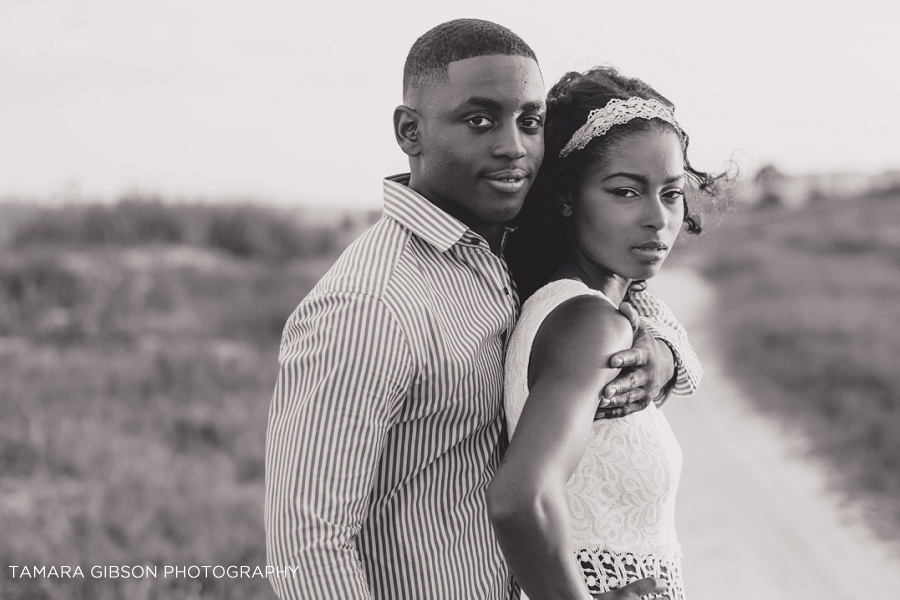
[662, 325]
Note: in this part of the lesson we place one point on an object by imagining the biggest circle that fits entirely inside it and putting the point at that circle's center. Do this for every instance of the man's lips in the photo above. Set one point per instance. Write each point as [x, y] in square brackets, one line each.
[508, 180]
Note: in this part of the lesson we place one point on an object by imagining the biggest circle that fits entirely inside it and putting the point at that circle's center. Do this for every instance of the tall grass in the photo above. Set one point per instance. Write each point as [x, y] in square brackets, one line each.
[137, 360]
[244, 230]
[810, 317]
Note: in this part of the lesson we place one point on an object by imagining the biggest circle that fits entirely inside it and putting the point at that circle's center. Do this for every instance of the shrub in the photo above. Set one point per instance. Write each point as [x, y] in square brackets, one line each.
[245, 230]
[130, 221]
[809, 317]
[248, 231]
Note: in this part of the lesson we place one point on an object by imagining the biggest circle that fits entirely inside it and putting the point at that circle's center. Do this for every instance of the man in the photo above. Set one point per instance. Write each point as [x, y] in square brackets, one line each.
[386, 423]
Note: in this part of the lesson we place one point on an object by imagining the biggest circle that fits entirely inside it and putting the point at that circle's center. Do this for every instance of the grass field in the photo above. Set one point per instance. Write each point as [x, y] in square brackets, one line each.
[136, 376]
[809, 314]
[138, 353]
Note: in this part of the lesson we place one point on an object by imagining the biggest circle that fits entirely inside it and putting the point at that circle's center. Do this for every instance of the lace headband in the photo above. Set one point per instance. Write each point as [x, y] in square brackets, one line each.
[616, 112]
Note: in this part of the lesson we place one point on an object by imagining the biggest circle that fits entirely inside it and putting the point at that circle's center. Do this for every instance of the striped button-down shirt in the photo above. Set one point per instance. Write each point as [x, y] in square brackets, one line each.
[386, 421]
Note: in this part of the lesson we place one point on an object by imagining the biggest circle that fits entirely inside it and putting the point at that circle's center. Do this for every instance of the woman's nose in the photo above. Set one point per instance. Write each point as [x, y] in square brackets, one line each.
[655, 216]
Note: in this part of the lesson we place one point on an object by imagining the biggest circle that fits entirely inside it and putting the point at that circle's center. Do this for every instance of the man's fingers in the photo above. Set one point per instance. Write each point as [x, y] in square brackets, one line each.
[636, 406]
[615, 392]
[622, 411]
[635, 590]
[630, 397]
[641, 587]
[630, 357]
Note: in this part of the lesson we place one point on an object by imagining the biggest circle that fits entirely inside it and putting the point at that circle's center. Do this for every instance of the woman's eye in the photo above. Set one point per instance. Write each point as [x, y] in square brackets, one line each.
[626, 192]
[674, 195]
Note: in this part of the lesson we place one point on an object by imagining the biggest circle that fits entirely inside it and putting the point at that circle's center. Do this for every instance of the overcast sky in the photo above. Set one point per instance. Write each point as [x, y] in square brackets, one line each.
[284, 102]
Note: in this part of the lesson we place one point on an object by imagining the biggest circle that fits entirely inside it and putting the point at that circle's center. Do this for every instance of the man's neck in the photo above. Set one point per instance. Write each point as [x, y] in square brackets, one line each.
[492, 233]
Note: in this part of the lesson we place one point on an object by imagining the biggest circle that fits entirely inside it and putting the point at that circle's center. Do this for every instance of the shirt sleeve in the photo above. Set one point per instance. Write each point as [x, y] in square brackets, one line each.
[345, 369]
[662, 325]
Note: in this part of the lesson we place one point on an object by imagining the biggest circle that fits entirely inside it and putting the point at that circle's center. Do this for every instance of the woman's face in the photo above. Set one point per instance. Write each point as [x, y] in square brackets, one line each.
[628, 210]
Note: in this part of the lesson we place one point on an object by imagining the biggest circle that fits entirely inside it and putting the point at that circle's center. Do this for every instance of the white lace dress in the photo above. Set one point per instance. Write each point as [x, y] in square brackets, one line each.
[621, 496]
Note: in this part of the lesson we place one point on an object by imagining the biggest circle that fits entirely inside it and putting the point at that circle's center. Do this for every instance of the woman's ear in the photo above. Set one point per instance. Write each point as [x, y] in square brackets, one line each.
[565, 205]
[406, 130]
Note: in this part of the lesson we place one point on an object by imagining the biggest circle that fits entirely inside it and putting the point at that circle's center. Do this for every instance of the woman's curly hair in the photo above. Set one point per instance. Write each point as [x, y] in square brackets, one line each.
[541, 240]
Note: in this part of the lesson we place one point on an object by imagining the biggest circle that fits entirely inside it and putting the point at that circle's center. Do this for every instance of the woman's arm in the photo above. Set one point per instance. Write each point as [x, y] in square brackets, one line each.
[569, 365]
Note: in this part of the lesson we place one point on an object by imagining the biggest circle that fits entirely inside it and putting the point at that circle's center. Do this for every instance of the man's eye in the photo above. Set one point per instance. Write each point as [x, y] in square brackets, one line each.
[479, 121]
[531, 122]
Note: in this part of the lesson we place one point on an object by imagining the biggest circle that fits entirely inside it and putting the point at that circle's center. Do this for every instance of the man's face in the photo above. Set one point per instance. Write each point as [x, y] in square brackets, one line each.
[481, 139]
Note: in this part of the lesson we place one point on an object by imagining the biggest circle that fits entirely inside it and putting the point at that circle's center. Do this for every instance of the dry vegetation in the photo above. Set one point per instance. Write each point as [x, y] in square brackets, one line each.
[138, 353]
[138, 349]
[810, 317]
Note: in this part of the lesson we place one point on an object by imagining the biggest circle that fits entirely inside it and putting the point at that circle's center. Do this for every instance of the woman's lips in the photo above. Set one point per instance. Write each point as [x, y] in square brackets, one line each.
[651, 251]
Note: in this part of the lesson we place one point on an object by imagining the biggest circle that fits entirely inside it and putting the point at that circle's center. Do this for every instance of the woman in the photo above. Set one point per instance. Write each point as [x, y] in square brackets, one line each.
[603, 218]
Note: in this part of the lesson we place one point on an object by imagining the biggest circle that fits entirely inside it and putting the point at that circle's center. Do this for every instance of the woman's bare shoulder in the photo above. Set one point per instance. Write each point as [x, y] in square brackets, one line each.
[578, 336]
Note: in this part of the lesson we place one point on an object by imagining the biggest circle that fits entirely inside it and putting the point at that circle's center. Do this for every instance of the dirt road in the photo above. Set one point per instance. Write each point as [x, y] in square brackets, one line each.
[755, 517]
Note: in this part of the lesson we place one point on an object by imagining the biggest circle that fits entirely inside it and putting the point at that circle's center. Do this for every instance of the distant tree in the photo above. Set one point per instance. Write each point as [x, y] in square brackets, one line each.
[766, 179]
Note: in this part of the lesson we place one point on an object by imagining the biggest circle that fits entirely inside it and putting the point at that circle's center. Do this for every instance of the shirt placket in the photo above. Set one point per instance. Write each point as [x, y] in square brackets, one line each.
[495, 271]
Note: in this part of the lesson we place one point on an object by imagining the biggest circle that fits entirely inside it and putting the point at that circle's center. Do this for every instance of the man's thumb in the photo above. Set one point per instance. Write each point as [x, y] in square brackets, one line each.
[632, 315]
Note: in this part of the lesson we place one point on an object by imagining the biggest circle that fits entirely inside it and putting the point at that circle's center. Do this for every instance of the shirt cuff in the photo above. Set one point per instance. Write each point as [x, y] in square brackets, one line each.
[688, 370]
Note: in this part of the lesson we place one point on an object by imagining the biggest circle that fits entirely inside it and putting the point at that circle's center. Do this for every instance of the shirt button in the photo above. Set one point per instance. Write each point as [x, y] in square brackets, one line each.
[506, 291]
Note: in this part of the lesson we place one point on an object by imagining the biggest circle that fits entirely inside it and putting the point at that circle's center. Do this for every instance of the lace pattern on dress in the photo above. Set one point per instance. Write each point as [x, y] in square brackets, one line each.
[621, 496]
[622, 493]
[605, 570]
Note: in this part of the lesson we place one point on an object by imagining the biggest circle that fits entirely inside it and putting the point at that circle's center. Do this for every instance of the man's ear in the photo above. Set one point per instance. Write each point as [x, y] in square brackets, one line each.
[406, 130]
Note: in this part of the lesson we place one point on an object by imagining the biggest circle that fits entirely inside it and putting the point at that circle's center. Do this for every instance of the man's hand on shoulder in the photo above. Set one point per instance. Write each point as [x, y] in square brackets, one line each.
[647, 367]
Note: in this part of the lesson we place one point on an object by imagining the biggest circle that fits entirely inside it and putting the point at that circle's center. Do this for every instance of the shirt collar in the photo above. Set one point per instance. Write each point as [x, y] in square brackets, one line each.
[420, 216]
[424, 219]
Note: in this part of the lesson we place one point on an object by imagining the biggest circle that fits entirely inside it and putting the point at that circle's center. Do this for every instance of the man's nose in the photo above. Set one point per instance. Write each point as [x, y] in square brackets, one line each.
[511, 143]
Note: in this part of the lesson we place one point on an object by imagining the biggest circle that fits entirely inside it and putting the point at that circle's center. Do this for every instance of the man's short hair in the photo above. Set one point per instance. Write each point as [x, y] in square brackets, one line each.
[455, 40]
